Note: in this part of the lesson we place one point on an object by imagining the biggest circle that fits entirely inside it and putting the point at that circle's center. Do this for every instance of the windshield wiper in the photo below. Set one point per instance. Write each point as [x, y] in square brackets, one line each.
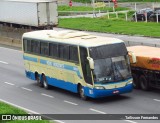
[119, 72]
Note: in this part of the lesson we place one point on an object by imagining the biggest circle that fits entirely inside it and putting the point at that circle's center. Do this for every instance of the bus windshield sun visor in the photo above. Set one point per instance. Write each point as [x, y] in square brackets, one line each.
[108, 51]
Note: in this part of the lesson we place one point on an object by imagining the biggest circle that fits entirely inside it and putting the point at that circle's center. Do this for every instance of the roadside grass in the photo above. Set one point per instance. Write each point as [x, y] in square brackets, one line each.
[118, 26]
[89, 1]
[8, 109]
[88, 8]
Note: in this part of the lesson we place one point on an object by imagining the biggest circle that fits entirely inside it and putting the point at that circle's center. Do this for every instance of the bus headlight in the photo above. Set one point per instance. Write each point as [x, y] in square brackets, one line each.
[130, 82]
[99, 87]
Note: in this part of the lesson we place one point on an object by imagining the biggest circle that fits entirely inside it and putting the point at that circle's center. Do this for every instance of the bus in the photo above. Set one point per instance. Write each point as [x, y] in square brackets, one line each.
[92, 66]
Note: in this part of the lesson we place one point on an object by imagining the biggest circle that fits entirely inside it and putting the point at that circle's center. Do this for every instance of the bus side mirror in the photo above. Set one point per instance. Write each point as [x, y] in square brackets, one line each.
[91, 62]
[132, 57]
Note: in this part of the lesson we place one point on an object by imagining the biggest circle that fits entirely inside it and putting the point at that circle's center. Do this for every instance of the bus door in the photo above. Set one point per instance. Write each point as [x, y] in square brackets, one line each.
[85, 66]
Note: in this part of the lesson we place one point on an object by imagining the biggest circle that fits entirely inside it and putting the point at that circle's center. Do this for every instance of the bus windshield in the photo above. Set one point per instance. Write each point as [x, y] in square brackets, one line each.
[111, 69]
[111, 63]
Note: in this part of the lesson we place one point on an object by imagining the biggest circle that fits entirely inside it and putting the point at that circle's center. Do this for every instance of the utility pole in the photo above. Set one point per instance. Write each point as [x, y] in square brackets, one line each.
[93, 1]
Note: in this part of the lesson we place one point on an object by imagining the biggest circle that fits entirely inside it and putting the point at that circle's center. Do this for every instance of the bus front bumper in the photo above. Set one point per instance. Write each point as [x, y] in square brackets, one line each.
[99, 93]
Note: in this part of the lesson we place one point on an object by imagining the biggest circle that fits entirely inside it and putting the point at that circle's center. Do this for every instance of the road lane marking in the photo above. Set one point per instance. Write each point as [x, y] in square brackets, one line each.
[47, 95]
[26, 89]
[3, 62]
[28, 110]
[101, 112]
[156, 100]
[9, 83]
[59, 121]
[130, 121]
[70, 102]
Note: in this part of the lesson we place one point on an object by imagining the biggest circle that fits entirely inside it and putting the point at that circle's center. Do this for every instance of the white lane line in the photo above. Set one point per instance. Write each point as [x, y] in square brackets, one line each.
[101, 112]
[156, 100]
[9, 83]
[59, 121]
[130, 121]
[70, 102]
[47, 95]
[3, 62]
[28, 110]
[26, 89]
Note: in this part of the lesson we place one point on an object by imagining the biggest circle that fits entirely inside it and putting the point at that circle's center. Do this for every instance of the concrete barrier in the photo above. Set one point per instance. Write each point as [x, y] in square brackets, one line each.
[10, 41]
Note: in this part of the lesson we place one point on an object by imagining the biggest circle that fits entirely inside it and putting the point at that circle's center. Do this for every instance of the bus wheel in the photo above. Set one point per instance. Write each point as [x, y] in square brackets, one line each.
[136, 83]
[38, 79]
[144, 83]
[44, 82]
[81, 93]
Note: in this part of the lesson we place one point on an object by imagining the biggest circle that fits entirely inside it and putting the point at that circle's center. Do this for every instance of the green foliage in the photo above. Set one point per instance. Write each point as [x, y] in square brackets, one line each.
[5, 108]
[82, 1]
[89, 1]
[118, 26]
[8, 109]
[84, 8]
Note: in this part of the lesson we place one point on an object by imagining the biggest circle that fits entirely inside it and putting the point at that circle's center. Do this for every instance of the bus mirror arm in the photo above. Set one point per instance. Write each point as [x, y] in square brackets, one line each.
[133, 57]
[91, 62]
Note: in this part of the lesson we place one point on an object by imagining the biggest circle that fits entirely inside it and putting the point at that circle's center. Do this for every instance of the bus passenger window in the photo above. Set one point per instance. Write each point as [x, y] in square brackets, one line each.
[44, 48]
[35, 47]
[64, 51]
[53, 50]
[28, 46]
[73, 53]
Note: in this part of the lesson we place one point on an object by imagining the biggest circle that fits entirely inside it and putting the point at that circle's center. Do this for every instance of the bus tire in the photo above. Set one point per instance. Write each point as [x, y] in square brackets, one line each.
[144, 83]
[81, 93]
[44, 82]
[136, 83]
[37, 77]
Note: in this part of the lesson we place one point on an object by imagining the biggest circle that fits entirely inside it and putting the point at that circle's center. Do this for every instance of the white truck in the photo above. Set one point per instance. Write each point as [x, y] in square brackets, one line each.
[32, 13]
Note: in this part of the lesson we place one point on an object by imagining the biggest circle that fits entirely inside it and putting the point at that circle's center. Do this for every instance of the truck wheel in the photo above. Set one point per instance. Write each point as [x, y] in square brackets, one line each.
[144, 83]
[136, 83]
[81, 93]
[45, 83]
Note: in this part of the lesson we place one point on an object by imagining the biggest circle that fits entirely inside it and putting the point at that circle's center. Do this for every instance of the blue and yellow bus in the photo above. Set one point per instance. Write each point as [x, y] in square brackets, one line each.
[92, 66]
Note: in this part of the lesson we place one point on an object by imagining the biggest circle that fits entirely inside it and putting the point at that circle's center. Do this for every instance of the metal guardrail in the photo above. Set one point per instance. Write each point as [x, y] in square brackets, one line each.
[131, 43]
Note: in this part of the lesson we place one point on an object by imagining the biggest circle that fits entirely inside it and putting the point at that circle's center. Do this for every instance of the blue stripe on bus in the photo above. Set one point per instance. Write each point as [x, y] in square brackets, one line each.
[30, 58]
[90, 92]
[54, 64]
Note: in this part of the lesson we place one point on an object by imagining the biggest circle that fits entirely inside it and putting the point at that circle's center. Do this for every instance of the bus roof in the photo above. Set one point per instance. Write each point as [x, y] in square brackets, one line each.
[71, 37]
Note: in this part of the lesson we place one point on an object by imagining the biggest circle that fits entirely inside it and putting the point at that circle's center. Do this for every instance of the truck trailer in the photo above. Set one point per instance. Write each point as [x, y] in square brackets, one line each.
[146, 69]
[32, 13]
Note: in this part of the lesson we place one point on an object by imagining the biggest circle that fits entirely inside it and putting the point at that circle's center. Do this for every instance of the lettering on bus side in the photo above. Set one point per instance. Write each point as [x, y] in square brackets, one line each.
[55, 64]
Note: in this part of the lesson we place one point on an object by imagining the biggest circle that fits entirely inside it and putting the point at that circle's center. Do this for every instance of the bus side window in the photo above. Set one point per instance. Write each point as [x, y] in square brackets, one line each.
[64, 51]
[53, 50]
[85, 65]
[73, 54]
[25, 45]
[45, 48]
[35, 47]
[28, 48]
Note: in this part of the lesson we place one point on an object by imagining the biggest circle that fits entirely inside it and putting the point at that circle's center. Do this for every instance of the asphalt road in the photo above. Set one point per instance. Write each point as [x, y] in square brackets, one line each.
[18, 90]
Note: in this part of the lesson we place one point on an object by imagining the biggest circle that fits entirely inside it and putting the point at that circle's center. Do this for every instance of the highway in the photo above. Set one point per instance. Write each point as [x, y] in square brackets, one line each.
[20, 91]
